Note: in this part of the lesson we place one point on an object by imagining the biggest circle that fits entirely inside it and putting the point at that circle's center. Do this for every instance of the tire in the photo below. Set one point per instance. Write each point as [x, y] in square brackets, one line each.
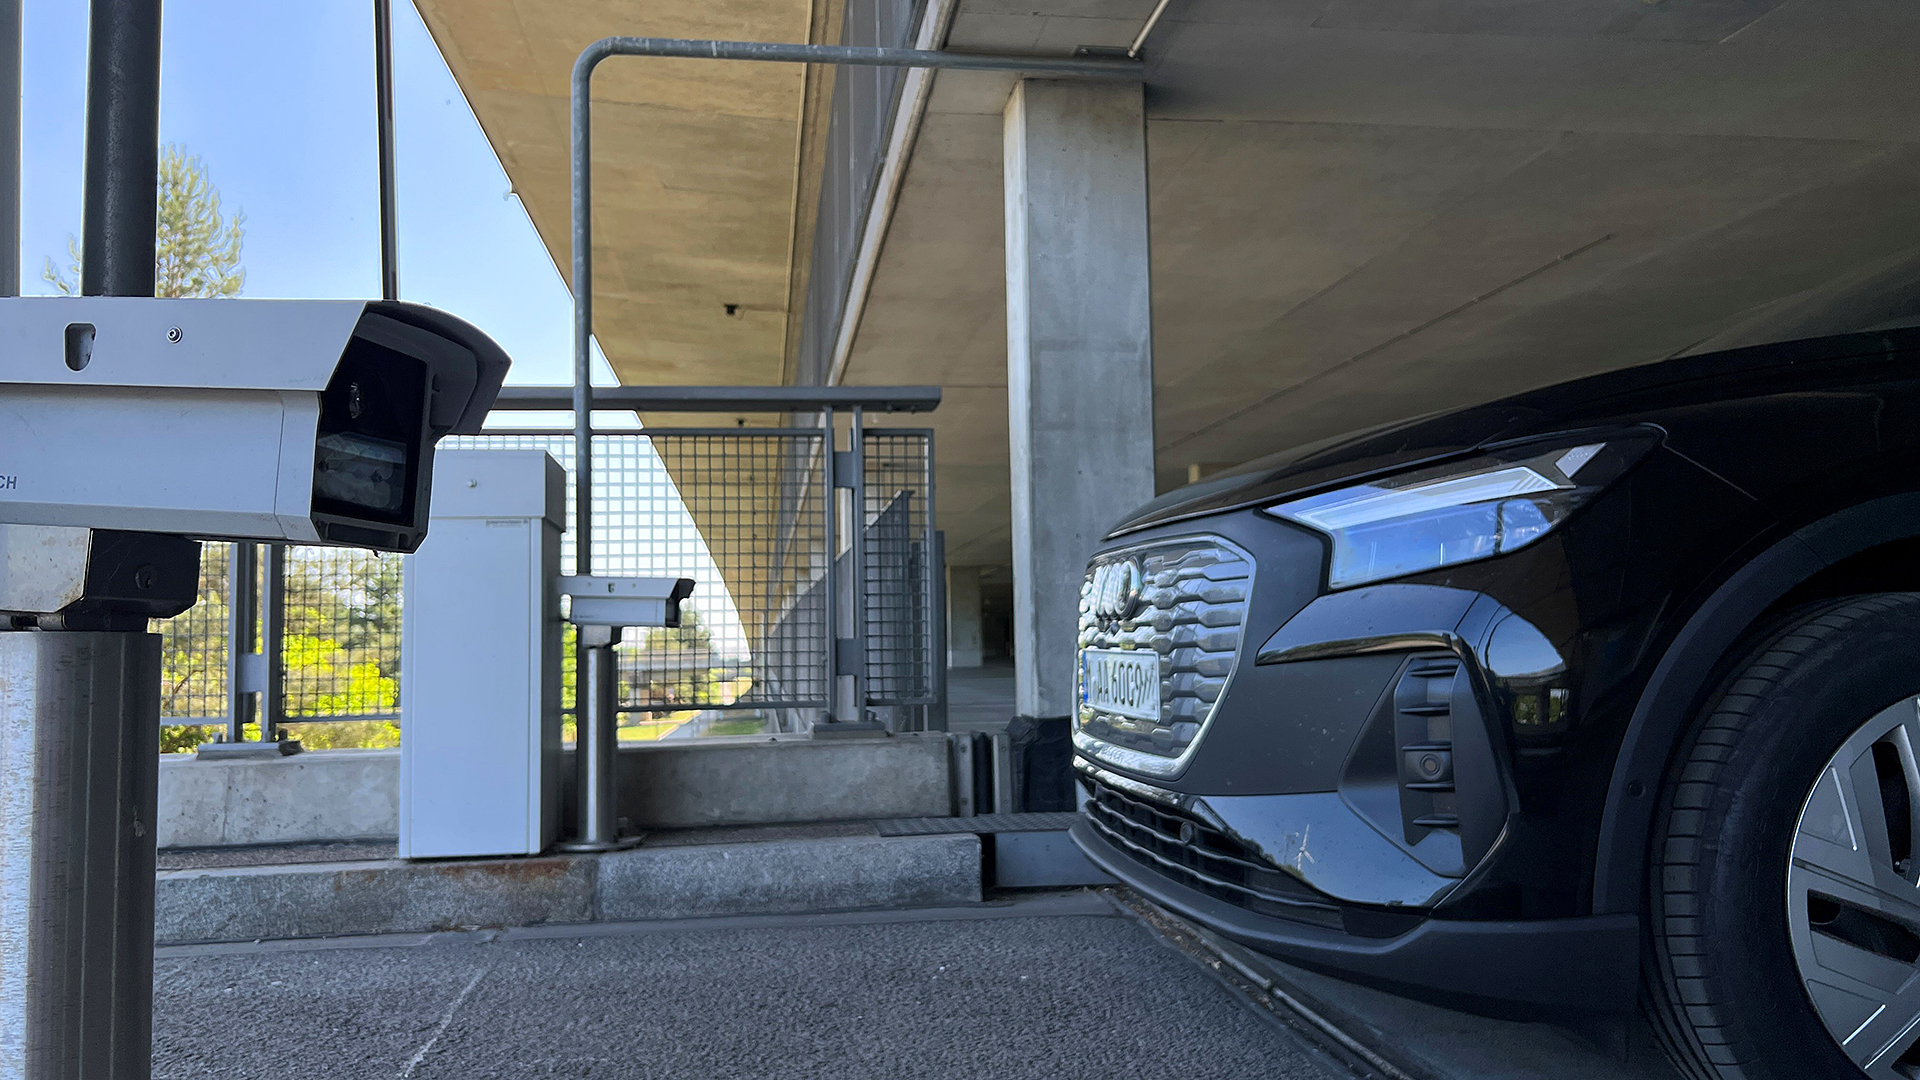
[1733, 858]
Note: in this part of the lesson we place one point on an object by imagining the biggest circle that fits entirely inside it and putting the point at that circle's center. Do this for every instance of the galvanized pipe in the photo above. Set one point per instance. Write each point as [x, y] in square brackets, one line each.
[857, 559]
[123, 148]
[273, 644]
[829, 527]
[243, 578]
[10, 31]
[709, 399]
[79, 781]
[383, 129]
[595, 740]
[582, 93]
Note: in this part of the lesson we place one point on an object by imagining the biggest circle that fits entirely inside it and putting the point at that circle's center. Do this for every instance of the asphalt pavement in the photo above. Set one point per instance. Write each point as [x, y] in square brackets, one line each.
[1056, 987]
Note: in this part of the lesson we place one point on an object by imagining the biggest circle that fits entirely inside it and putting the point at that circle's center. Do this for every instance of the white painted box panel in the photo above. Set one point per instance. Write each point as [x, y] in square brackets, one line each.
[480, 661]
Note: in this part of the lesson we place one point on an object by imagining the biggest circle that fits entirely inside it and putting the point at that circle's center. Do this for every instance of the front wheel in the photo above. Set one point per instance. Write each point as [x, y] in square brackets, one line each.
[1784, 929]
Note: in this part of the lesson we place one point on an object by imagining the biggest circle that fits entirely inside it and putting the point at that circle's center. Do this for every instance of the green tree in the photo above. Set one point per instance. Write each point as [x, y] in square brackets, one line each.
[680, 662]
[196, 249]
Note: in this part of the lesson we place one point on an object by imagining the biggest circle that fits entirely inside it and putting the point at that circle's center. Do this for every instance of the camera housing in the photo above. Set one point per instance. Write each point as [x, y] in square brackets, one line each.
[299, 421]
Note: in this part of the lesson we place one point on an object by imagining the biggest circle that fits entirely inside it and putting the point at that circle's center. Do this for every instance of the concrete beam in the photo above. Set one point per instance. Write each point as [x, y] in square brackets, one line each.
[1079, 355]
[964, 646]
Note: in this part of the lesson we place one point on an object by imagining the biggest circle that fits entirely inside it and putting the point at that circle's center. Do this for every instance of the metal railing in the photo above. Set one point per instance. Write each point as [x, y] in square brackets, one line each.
[804, 611]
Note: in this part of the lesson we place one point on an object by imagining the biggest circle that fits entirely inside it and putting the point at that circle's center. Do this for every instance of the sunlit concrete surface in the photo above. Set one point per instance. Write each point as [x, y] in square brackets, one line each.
[1060, 988]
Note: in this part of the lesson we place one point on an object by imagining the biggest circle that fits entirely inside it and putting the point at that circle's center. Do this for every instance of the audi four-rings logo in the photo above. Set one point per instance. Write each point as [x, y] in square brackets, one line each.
[1115, 590]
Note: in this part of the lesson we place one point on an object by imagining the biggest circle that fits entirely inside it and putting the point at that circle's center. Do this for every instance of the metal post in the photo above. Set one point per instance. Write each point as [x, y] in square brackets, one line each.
[596, 738]
[10, 31]
[383, 128]
[123, 148]
[856, 480]
[273, 648]
[582, 327]
[242, 603]
[79, 754]
[830, 582]
[937, 617]
[80, 710]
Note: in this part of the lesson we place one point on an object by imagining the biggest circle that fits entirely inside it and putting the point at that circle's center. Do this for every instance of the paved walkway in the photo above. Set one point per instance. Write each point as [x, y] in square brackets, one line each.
[980, 699]
[1053, 988]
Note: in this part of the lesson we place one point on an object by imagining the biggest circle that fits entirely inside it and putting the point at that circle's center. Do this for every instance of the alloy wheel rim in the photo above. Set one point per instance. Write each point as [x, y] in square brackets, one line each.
[1853, 894]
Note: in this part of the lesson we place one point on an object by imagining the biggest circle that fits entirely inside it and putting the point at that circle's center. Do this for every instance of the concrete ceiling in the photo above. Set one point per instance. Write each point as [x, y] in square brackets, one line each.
[1362, 209]
[699, 169]
[1370, 209]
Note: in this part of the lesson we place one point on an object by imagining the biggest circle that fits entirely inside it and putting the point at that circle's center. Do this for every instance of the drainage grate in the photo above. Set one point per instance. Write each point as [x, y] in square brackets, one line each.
[1203, 858]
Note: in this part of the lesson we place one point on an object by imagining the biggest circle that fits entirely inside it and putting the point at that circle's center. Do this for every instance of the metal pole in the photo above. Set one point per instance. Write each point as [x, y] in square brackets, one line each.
[10, 30]
[242, 622]
[857, 557]
[582, 321]
[830, 595]
[79, 754]
[123, 148]
[596, 738]
[273, 648]
[383, 125]
[80, 710]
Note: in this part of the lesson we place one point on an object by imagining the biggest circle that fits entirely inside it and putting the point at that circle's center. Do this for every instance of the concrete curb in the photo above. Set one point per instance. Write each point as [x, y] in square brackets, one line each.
[767, 877]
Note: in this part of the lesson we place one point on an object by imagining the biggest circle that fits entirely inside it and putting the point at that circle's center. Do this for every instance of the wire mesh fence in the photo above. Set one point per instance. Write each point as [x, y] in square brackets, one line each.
[342, 644]
[743, 512]
[737, 511]
[193, 649]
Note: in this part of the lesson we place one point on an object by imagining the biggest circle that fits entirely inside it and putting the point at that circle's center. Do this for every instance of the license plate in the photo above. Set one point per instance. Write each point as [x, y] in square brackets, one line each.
[1125, 683]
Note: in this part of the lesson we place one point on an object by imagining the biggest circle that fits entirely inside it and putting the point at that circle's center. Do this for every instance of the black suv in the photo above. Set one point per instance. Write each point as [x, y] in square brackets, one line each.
[1607, 692]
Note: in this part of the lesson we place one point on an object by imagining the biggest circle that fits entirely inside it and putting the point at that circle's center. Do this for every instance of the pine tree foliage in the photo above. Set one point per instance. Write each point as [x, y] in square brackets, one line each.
[196, 248]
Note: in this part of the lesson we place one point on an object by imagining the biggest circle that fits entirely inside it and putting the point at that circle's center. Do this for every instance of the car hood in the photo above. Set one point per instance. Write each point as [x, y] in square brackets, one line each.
[1615, 396]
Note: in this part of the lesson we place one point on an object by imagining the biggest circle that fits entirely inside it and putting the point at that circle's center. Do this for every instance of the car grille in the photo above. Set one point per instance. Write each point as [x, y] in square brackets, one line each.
[1192, 612]
[1201, 857]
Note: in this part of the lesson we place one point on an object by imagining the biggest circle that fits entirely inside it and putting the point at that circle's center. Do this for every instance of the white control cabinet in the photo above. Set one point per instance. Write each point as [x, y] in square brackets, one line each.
[480, 660]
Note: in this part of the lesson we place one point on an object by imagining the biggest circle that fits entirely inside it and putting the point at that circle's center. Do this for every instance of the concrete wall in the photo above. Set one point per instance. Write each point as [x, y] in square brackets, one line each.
[964, 636]
[783, 779]
[324, 795]
[355, 794]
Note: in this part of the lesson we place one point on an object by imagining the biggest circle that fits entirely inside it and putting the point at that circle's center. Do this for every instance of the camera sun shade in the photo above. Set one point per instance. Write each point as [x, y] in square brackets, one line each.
[306, 421]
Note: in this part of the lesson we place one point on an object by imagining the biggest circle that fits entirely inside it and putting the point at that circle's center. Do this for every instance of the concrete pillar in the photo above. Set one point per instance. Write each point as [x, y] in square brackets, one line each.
[963, 616]
[1079, 356]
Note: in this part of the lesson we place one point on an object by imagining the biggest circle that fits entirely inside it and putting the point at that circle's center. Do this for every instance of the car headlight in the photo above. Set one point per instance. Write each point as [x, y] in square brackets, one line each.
[1465, 510]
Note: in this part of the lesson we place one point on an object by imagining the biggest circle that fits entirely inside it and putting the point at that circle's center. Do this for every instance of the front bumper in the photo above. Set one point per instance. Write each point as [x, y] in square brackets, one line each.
[1586, 964]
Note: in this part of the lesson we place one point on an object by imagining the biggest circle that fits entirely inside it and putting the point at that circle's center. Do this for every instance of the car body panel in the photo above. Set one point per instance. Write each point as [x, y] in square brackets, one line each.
[1584, 653]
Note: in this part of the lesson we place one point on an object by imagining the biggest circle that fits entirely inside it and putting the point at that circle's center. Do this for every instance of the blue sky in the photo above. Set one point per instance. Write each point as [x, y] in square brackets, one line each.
[276, 97]
[277, 100]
